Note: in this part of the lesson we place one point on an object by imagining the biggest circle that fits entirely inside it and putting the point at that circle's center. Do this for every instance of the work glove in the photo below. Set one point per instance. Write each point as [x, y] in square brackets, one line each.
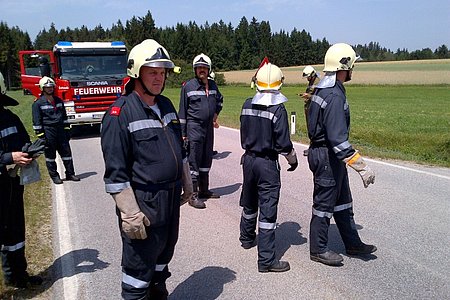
[133, 219]
[292, 160]
[357, 163]
[188, 188]
[34, 149]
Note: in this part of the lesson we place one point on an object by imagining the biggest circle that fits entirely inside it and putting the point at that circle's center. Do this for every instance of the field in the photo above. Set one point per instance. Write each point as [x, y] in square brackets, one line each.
[423, 72]
[407, 119]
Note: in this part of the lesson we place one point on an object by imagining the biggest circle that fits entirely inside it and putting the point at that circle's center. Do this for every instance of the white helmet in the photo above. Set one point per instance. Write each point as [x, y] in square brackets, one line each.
[340, 56]
[308, 71]
[269, 77]
[201, 60]
[46, 82]
[149, 53]
[212, 76]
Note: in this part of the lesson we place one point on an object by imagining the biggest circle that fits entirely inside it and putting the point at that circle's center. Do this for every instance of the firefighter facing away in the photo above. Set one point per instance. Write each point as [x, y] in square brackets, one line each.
[50, 123]
[264, 135]
[143, 153]
[13, 137]
[200, 105]
[329, 154]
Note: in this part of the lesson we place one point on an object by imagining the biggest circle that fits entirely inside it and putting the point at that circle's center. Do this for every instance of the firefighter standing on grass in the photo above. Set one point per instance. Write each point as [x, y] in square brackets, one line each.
[329, 154]
[50, 123]
[200, 105]
[144, 159]
[13, 136]
[264, 135]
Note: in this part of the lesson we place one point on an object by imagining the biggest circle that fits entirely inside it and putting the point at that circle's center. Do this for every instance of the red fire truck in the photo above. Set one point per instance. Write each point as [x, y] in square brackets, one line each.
[89, 76]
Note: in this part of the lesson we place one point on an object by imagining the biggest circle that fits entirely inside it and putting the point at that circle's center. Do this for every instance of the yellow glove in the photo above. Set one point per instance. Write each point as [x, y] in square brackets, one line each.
[357, 163]
[133, 219]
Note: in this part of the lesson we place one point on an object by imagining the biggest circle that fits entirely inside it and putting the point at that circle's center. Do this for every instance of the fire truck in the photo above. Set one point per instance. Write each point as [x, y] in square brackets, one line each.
[89, 76]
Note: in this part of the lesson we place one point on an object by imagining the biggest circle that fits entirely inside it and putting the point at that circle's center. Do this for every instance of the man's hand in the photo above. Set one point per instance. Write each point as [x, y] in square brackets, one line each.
[21, 158]
[357, 163]
[292, 160]
[133, 219]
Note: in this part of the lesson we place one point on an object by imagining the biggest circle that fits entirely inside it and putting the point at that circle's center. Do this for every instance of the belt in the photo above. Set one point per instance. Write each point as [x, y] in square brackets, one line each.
[273, 156]
[319, 144]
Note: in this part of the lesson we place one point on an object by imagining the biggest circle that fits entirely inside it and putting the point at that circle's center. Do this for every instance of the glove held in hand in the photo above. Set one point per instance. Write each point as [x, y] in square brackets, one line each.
[133, 219]
[357, 163]
[292, 160]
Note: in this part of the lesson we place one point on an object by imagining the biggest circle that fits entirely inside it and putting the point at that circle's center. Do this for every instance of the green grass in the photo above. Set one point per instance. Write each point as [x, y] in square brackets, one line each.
[410, 123]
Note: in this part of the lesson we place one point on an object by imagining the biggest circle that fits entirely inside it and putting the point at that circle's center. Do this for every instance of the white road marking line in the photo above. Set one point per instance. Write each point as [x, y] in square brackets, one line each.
[373, 160]
[70, 284]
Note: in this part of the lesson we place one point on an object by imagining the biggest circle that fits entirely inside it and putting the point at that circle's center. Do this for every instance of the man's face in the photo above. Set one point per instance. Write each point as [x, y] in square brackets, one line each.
[153, 78]
[48, 90]
[202, 72]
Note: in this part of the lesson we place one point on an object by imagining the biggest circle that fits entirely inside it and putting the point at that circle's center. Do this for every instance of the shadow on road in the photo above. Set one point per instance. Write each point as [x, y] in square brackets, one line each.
[205, 284]
[68, 265]
[286, 235]
[86, 174]
[335, 243]
[222, 155]
[227, 190]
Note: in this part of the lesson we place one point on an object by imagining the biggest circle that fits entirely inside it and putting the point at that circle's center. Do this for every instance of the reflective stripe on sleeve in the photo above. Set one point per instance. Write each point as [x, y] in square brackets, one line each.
[341, 147]
[265, 225]
[8, 131]
[169, 118]
[13, 248]
[50, 159]
[204, 169]
[322, 103]
[134, 282]
[116, 187]
[196, 93]
[183, 121]
[322, 214]
[66, 158]
[37, 127]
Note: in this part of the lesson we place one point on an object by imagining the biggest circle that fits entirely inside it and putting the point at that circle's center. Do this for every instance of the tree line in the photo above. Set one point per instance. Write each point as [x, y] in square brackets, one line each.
[239, 48]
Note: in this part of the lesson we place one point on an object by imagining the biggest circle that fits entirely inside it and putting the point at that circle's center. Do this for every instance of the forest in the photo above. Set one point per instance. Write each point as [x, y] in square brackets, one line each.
[230, 48]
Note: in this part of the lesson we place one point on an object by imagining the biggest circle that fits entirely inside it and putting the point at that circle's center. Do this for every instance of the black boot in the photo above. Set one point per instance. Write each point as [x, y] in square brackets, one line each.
[362, 249]
[194, 201]
[72, 177]
[56, 179]
[329, 258]
[278, 266]
[158, 291]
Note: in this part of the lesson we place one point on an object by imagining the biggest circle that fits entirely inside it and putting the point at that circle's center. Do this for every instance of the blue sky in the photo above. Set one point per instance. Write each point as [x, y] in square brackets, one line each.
[413, 24]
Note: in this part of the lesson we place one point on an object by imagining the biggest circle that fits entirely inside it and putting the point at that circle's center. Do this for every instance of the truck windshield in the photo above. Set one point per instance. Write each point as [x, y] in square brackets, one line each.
[90, 66]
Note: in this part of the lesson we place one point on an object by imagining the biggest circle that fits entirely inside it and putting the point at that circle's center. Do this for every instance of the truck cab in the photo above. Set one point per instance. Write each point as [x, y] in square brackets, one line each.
[89, 76]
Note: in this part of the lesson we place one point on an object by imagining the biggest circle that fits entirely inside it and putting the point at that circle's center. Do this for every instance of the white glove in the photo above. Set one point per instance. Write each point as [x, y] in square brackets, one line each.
[133, 219]
[188, 188]
[359, 165]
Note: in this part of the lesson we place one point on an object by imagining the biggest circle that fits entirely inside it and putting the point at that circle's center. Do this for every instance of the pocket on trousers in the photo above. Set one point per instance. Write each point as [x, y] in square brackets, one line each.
[157, 208]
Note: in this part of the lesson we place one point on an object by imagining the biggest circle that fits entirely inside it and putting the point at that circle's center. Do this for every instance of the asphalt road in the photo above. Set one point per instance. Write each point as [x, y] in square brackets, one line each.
[406, 214]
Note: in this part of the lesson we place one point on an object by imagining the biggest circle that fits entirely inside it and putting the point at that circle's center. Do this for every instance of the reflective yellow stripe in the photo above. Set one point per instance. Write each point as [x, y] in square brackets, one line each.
[271, 85]
[354, 158]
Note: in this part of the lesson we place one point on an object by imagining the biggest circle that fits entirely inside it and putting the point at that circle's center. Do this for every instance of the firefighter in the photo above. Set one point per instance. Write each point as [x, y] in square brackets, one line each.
[200, 105]
[143, 153]
[329, 154]
[50, 123]
[13, 136]
[264, 135]
[313, 78]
